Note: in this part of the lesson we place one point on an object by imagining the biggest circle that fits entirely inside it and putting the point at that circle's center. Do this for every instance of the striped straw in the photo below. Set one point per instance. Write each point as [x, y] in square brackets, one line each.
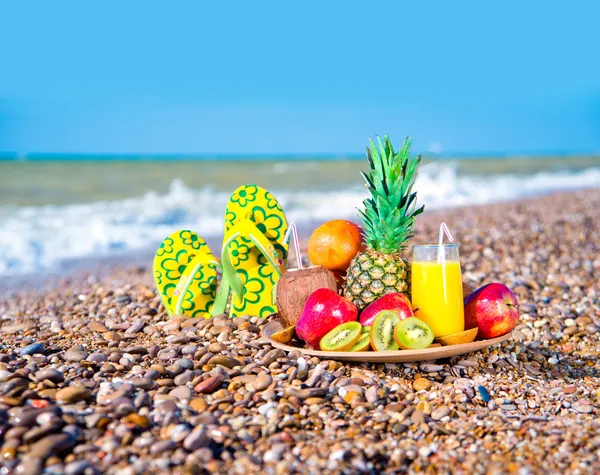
[293, 232]
[443, 230]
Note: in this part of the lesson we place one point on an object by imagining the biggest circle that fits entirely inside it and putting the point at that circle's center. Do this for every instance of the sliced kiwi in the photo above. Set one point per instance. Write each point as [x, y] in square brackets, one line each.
[382, 331]
[364, 340]
[285, 335]
[342, 337]
[413, 334]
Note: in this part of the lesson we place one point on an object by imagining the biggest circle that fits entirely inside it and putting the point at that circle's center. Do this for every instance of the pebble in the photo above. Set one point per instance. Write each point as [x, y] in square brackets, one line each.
[271, 356]
[223, 360]
[210, 385]
[76, 353]
[136, 326]
[197, 439]
[31, 349]
[485, 395]
[162, 447]
[440, 412]
[52, 444]
[97, 326]
[262, 382]
[77, 467]
[50, 374]
[583, 407]
[30, 466]
[421, 384]
[72, 394]
[182, 393]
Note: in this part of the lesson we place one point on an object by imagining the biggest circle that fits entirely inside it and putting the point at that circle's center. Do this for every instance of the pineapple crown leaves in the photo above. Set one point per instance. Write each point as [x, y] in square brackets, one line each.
[389, 214]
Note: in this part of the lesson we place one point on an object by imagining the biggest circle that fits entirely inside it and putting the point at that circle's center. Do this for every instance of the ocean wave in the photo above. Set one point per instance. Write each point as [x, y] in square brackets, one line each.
[38, 239]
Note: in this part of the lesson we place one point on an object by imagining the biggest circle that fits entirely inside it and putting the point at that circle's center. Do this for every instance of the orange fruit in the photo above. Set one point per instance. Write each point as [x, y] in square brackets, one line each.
[458, 338]
[334, 244]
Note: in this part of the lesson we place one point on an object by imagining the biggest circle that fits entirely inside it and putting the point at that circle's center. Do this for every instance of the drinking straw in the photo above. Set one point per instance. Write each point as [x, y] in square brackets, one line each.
[443, 230]
[293, 232]
[442, 255]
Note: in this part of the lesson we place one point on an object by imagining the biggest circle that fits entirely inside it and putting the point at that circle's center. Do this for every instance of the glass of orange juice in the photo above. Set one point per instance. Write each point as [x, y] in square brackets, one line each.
[436, 287]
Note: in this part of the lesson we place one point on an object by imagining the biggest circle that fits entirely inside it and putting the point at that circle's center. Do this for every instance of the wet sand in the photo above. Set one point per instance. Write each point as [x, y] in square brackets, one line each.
[94, 378]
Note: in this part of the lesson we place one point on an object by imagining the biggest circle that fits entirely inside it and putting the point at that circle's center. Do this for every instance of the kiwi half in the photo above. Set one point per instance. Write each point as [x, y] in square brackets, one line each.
[342, 337]
[285, 335]
[363, 343]
[413, 334]
[382, 331]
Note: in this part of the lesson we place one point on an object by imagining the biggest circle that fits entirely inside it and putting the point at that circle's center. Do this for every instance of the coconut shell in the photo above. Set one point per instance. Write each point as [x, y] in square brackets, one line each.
[294, 288]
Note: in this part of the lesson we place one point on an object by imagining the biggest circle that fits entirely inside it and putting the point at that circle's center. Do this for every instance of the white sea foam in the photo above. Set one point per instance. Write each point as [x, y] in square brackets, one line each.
[37, 239]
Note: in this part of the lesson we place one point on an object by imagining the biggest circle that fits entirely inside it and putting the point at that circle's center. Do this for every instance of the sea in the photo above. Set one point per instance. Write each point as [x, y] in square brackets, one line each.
[56, 211]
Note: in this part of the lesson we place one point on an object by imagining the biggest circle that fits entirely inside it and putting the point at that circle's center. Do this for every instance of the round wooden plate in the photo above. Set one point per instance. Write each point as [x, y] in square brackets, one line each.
[399, 356]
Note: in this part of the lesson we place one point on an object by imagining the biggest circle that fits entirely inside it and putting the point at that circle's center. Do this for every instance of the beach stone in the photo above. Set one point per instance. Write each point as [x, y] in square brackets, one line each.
[262, 382]
[27, 416]
[271, 356]
[31, 349]
[162, 446]
[30, 466]
[136, 326]
[166, 355]
[52, 444]
[97, 326]
[198, 404]
[181, 393]
[197, 439]
[210, 385]
[72, 394]
[50, 374]
[440, 412]
[75, 353]
[583, 407]
[97, 357]
[184, 378]
[223, 360]
[485, 395]
[421, 384]
[77, 467]
[306, 393]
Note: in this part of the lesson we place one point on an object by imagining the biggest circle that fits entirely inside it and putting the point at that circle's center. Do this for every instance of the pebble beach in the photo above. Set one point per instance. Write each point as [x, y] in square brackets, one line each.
[94, 378]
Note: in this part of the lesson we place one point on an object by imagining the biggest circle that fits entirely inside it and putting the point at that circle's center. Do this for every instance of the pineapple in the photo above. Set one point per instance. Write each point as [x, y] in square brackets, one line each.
[388, 220]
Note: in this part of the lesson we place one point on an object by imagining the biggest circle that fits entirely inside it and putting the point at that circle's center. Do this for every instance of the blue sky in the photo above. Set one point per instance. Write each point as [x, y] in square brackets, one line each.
[298, 77]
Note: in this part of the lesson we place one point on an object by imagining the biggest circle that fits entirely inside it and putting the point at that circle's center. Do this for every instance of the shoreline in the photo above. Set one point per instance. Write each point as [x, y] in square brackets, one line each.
[102, 266]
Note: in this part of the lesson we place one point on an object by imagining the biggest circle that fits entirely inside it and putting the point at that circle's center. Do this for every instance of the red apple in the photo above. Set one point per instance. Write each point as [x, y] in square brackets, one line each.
[324, 310]
[493, 309]
[399, 303]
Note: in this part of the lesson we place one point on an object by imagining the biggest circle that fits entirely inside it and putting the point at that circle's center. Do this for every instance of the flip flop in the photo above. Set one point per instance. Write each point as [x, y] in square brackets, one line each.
[254, 252]
[185, 273]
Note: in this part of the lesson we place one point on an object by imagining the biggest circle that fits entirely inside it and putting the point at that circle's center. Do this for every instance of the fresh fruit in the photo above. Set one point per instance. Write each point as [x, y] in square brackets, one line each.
[324, 310]
[334, 244]
[294, 288]
[413, 334]
[493, 309]
[285, 335]
[342, 337]
[399, 303]
[364, 340]
[388, 220]
[457, 338]
[382, 331]
[435, 345]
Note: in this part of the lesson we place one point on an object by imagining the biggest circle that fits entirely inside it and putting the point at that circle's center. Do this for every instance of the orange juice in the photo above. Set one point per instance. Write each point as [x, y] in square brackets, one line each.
[437, 295]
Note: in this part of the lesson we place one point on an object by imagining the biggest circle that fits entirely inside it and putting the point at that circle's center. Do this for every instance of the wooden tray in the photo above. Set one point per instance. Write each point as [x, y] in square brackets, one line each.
[398, 356]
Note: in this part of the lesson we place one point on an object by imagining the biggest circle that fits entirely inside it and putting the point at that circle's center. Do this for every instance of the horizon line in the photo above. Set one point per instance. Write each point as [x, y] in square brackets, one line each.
[113, 156]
